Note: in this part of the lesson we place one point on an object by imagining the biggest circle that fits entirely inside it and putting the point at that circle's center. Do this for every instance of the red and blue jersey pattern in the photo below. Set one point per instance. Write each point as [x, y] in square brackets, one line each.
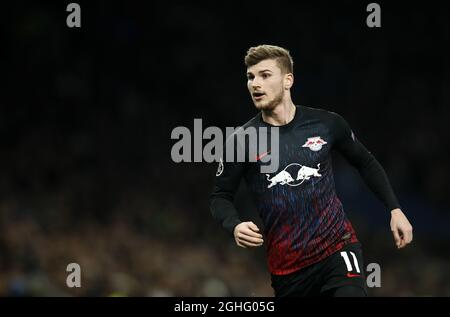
[304, 220]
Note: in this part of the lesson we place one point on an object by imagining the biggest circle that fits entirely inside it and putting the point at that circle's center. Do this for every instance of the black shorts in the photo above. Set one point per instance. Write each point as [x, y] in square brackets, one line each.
[341, 269]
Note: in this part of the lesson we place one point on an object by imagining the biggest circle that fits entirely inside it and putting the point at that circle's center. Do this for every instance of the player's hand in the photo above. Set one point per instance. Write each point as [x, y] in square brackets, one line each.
[246, 234]
[401, 228]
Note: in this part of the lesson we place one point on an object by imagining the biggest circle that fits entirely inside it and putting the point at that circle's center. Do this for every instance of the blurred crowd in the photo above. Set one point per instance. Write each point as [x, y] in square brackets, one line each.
[117, 259]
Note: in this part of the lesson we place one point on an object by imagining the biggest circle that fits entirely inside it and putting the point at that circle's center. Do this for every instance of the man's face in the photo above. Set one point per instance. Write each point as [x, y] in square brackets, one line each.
[265, 84]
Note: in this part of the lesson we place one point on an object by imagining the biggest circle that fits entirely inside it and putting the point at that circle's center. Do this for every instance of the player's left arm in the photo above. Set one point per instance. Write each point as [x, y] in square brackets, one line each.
[374, 176]
[401, 228]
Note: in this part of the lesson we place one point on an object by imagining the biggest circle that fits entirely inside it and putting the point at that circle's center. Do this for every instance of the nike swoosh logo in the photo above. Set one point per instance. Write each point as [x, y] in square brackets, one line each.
[353, 275]
[258, 157]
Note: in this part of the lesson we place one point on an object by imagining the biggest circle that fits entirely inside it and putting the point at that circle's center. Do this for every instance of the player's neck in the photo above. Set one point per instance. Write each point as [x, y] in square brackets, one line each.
[282, 114]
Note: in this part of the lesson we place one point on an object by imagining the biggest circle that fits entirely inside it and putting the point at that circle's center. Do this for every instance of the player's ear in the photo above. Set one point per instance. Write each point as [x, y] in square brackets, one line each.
[288, 80]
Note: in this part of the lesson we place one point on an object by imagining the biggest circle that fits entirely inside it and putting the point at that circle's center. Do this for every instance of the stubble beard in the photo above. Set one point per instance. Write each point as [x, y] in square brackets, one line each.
[272, 104]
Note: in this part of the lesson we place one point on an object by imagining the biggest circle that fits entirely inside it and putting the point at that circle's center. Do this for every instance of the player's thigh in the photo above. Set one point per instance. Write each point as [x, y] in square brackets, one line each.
[298, 284]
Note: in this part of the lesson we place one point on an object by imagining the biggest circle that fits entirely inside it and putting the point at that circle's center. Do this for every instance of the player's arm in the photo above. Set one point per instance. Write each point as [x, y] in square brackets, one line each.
[374, 176]
[228, 177]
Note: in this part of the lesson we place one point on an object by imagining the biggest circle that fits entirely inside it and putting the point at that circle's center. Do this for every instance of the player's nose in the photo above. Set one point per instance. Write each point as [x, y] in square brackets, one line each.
[256, 83]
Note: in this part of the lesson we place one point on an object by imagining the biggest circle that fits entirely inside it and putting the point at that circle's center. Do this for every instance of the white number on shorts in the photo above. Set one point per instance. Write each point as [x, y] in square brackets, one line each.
[348, 263]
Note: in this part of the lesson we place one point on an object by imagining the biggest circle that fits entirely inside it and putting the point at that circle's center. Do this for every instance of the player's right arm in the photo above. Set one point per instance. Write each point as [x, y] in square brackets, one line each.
[246, 234]
[228, 178]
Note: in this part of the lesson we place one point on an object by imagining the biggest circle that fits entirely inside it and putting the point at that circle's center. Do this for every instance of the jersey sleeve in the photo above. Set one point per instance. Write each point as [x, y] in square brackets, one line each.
[357, 155]
[227, 180]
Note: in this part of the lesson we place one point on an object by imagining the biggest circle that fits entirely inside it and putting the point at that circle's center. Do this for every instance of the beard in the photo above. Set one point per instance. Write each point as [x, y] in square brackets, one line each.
[270, 104]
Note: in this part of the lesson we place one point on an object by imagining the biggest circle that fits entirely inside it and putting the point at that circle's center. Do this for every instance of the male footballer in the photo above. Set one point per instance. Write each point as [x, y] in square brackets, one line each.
[311, 246]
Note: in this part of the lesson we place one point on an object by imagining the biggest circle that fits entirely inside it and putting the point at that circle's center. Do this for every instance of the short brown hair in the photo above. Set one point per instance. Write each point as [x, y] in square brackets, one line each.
[262, 52]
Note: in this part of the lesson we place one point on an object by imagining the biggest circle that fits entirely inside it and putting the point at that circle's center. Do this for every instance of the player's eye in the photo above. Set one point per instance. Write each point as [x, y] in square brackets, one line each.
[265, 75]
[250, 77]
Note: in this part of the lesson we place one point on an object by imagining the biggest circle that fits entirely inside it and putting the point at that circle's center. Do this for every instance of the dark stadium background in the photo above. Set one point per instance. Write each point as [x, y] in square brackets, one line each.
[86, 117]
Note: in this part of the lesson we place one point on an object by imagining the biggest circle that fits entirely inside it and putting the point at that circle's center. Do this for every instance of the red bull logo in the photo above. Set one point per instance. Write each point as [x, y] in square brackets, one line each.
[302, 173]
[315, 143]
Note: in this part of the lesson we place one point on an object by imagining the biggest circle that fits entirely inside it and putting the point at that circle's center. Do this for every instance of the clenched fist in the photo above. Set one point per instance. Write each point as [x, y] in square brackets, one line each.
[246, 234]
